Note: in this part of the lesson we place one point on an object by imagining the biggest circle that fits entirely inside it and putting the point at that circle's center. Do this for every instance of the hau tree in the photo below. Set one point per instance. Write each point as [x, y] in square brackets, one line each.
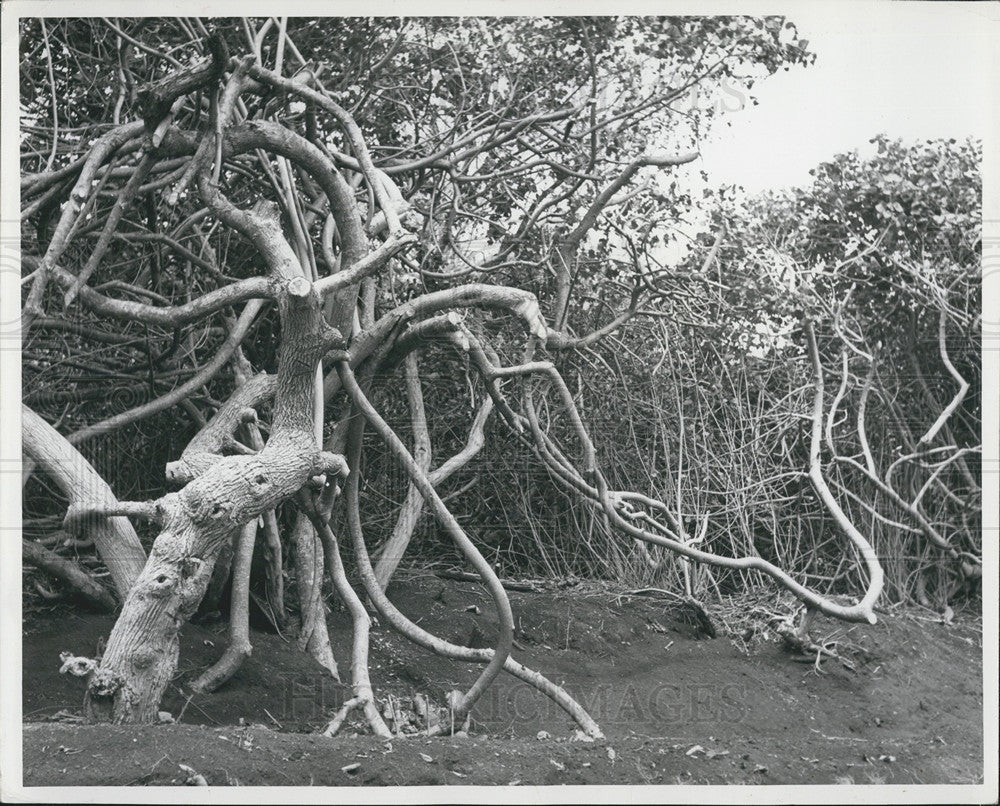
[882, 252]
[246, 222]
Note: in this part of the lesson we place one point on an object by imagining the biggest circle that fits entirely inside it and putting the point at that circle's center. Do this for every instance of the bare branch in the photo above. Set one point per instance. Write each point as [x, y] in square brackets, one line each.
[963, 385]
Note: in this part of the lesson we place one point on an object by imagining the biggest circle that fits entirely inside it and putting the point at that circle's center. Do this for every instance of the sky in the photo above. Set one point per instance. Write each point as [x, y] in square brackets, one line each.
[911, 70]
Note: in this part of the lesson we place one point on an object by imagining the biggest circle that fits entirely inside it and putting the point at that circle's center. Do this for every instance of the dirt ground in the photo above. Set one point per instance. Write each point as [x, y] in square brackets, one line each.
[904, 705]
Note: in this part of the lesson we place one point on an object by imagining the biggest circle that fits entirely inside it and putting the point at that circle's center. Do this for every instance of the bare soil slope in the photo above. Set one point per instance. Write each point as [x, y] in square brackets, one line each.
[677, 706]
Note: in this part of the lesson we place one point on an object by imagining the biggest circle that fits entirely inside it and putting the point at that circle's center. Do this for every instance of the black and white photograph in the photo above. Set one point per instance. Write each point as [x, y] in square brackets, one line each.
[500, 402]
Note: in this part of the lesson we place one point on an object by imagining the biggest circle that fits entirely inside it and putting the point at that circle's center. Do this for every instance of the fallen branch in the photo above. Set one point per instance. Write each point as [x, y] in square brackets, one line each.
[69, 572]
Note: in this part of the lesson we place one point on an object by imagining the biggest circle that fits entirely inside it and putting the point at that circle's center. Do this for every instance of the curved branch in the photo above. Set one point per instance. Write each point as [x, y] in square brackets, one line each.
[505, 617]
[835, 406]
[360, 680]
[168, 317]
[568, 247]
[875, 573]
[350, 128]
[239, 647]
[69, 572]
[207, 445]
[445, 649]
[615, 506]
[111, 224]
[963, 385]
[193, 384]
[409, 512]
[102, 148]
[862, 409]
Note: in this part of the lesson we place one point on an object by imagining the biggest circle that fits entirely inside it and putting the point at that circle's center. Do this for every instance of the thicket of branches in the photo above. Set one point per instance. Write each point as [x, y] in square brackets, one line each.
[244, 240]
[711, 412]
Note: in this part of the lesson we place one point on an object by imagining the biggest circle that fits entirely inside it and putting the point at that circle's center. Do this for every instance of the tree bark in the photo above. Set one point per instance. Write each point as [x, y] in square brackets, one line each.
[115, 538]
[314, 638]
[141, 654]
[409, 513]
[239, 617]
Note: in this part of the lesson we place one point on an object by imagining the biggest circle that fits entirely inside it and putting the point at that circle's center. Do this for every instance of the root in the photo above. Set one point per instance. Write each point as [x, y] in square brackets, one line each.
[797, 639]
[239, 648]
[364, 697]
[338, 719]
[701, 615]
[314, 638]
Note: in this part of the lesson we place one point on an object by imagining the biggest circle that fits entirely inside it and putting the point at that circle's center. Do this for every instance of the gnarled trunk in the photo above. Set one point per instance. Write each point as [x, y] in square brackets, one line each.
[141, 654]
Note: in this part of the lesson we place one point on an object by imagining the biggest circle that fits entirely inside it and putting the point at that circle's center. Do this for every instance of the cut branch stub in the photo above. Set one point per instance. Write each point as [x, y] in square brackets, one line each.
[209, 512]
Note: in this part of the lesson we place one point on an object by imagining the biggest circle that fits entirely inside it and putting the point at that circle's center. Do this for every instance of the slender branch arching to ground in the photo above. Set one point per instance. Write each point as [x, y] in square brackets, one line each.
[431, 642]
[461, 705]
[623, 517]
[239, 647]
[876, 575]
[364, 697]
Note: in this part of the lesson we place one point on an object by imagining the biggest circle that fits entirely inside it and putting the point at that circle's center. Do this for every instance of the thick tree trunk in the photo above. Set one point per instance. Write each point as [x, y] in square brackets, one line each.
[141, 654]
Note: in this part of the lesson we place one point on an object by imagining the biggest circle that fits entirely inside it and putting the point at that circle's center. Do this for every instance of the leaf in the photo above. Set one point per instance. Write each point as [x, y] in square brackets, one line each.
[427, 758]
[193, 778]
